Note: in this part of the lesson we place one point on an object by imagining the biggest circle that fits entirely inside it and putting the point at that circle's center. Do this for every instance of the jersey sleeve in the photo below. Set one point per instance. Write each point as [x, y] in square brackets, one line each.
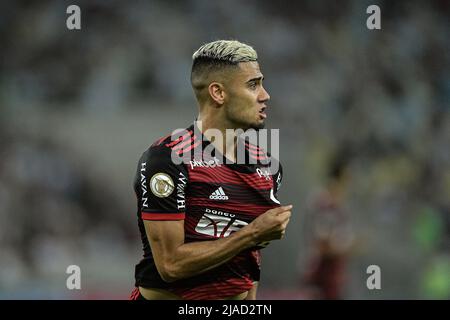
[160, 186]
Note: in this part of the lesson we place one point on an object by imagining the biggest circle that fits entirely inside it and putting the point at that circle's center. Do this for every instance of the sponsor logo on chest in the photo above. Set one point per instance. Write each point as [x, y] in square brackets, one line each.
[205, 163]
[219, 194]
[218, 224]
[263, 173]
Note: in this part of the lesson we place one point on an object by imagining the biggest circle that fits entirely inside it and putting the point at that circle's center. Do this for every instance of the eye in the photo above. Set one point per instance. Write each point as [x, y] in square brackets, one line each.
[252, 85]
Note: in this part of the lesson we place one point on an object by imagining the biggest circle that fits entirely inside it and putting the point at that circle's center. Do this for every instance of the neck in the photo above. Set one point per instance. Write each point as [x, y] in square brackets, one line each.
[210, 126]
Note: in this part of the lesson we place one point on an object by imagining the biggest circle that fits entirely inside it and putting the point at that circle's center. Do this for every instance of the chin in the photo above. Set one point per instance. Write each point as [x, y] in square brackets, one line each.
[258, 126]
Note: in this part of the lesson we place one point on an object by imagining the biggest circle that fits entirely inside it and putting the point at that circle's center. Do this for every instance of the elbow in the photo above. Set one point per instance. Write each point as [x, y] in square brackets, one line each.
[167, 277]
[169, 273]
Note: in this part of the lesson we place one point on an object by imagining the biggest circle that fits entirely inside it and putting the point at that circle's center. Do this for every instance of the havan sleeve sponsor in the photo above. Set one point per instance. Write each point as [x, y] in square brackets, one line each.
[160, 186]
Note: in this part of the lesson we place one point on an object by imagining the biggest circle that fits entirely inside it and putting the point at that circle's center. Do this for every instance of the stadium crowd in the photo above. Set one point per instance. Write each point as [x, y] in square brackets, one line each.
[383, 94]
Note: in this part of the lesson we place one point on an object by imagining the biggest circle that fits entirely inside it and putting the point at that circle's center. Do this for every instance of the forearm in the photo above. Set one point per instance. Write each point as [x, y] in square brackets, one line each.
[190, 259]
[177, 260]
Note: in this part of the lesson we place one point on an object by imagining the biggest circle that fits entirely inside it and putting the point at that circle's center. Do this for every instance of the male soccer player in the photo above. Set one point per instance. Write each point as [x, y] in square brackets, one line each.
[203, 220]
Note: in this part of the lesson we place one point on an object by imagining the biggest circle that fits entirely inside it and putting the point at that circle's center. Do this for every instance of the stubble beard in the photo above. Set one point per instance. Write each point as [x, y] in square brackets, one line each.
[238, 123]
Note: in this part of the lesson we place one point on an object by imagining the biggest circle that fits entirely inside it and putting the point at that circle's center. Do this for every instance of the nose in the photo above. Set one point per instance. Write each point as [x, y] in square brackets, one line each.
[264, 95]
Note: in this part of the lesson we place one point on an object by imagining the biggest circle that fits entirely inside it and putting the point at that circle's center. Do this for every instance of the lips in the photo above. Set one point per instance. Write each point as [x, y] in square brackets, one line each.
[262, 114]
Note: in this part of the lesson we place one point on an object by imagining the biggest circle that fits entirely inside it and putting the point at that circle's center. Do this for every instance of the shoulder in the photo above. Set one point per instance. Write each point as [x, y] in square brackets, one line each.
[173, 138]
[173, 143]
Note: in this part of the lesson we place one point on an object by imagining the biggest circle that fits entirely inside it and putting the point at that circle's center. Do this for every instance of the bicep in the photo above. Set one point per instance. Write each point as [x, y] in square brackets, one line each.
[164, 238]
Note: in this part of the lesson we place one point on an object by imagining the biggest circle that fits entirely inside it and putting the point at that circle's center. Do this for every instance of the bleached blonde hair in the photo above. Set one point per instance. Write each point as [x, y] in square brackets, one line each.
[230, 51]
[215, 61]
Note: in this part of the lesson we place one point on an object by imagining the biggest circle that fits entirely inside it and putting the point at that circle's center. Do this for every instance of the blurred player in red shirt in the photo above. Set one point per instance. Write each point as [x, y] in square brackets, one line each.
[329, 235]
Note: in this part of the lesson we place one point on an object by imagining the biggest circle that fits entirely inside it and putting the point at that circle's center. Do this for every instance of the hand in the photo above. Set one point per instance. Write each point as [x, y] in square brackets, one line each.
[271, 225]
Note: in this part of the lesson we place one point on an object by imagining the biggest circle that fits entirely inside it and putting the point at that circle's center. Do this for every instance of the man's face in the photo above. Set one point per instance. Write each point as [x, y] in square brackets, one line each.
[245, 107]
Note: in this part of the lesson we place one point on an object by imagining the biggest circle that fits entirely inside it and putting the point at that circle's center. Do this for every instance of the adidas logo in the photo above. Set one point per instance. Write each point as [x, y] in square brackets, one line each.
[218, 195]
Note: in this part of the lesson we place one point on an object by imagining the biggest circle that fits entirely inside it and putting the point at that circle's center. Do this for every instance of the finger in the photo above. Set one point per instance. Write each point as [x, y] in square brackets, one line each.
[284, 225]
[281, 209]
[285, 215]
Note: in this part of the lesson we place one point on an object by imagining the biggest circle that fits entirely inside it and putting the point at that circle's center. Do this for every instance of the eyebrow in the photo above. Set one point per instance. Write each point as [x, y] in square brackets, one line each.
[256, 79]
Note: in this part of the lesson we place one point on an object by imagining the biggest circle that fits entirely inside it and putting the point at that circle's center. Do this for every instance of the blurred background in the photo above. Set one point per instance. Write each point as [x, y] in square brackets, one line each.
[364, 120]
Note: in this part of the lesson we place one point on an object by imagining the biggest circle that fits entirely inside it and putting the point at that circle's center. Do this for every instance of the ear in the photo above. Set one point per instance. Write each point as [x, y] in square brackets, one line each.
[217, 92]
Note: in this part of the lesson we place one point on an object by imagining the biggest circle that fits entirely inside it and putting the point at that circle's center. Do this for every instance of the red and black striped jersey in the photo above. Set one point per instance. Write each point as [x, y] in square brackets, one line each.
[188, 179]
